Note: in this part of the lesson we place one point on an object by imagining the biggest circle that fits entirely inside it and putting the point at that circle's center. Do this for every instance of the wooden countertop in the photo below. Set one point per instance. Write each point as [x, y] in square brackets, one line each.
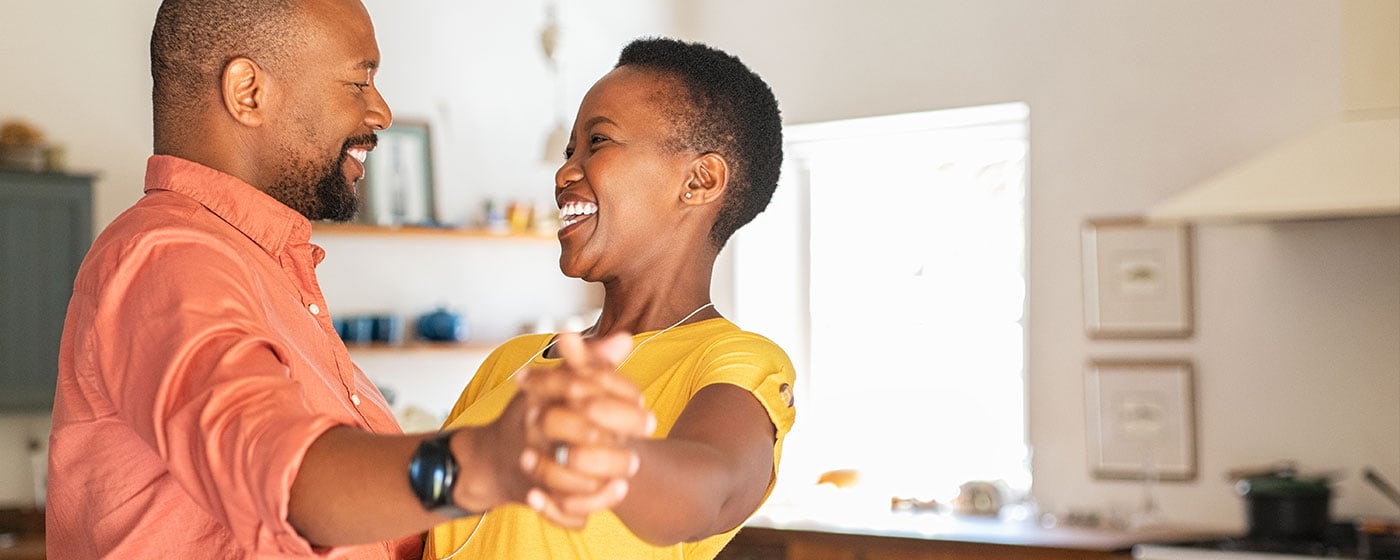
[954, 528]
[24, 548]
[21, 534]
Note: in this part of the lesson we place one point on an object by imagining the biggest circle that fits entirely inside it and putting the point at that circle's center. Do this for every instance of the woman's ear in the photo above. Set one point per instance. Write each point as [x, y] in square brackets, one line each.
[709, 177]
[244, 91]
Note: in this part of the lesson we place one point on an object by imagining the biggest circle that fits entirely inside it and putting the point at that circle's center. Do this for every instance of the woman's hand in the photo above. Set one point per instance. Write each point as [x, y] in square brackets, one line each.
[579, 419]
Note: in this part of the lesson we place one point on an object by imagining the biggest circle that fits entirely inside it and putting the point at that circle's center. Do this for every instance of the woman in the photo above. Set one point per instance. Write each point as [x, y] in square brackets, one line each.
[671, 152]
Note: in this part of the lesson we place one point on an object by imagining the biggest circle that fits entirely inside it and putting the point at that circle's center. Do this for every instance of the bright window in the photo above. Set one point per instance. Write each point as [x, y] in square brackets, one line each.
[892, 266]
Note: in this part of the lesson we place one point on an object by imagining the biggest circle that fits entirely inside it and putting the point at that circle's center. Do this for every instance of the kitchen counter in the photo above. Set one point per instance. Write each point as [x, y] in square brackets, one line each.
[931, 536]
[22, 548]
[21, 534]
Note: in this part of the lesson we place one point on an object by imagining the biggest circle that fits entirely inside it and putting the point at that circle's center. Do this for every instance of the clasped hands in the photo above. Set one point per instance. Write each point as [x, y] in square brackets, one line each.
[568, 431]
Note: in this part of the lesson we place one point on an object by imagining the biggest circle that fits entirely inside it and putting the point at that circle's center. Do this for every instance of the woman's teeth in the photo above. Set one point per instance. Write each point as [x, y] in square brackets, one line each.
[571, 213]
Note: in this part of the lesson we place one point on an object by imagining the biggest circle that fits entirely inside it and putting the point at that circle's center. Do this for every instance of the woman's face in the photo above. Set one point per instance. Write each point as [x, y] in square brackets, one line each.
[620, 190]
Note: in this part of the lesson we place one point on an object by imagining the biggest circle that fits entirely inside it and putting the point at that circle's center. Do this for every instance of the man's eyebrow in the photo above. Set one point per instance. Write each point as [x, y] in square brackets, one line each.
[367, 65]
[596, 120]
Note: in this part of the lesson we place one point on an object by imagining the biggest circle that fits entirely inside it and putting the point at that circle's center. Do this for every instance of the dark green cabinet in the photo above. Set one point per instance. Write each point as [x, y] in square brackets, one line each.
[45, 229]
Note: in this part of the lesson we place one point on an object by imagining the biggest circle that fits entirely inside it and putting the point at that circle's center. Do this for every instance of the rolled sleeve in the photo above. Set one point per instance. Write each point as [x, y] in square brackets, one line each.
[757, 365]
[235, 443]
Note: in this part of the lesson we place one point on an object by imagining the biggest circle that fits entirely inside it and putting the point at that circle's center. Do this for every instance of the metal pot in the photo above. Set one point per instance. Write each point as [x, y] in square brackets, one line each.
[1286, 507]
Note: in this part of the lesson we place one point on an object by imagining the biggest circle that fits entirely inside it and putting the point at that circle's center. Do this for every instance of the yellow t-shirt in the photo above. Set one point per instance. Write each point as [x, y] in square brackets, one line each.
[669, 370]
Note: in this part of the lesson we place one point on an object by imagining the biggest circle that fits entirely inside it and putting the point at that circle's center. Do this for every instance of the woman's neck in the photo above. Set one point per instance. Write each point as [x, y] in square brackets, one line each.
[659, 295]
[638, 313]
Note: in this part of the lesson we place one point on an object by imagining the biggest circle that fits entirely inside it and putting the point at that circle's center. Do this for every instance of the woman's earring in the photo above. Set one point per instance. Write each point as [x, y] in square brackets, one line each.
[689, 194]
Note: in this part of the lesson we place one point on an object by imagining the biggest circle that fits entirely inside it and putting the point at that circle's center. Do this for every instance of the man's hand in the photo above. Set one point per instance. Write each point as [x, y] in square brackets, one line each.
[579, 420]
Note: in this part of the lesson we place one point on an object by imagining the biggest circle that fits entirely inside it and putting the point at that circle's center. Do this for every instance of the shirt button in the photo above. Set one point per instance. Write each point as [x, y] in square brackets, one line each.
[315, 309]
[355, 399]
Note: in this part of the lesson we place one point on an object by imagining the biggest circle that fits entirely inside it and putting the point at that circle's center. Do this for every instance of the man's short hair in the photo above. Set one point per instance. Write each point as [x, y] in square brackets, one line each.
[193, 40]
[727, 109]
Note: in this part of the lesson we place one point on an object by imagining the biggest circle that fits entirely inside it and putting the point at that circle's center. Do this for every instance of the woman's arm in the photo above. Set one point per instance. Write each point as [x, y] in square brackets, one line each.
[708, 475]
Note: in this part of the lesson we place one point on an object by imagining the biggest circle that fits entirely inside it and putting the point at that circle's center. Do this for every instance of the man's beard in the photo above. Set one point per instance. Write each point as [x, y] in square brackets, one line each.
[328, 197]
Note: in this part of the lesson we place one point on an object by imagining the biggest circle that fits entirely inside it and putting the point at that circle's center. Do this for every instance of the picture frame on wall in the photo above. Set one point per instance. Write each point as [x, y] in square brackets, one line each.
[1141, 419]
[398, 188]
[1137, 279]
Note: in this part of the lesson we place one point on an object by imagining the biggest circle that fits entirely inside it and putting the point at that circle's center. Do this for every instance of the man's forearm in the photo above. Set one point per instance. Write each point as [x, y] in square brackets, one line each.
[352, 488]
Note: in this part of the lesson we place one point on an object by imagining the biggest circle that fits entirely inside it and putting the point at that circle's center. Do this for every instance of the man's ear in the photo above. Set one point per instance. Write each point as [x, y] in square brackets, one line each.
[709, 177]
[244, 90]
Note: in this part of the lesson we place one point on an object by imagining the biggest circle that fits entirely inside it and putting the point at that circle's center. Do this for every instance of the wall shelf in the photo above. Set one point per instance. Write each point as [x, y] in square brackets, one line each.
[429, 266]
[424, 231]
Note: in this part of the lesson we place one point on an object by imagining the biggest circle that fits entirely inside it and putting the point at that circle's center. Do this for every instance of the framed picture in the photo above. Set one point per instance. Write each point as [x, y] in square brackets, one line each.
[1141, 420]
[398, 184]
[1137, 279]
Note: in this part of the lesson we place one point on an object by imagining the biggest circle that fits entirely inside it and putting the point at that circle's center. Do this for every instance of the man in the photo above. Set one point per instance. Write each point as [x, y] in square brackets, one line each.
[205, 407]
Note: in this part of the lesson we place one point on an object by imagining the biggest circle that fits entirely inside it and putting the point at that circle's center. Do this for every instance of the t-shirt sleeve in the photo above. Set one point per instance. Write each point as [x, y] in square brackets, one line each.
[759, 366]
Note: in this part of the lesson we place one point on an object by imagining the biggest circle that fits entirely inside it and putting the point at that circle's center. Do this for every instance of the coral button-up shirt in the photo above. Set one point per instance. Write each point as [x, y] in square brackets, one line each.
[198, 364]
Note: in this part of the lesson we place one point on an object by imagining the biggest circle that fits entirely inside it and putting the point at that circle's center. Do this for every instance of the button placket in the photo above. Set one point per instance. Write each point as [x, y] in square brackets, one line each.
[309, 288]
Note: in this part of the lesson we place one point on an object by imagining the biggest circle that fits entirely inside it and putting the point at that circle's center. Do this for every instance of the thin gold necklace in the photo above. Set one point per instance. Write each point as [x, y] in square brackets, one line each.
[629, 354]
[482, 517]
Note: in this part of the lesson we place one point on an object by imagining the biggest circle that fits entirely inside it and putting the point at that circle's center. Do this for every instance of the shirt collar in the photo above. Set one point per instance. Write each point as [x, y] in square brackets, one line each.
[268, 222]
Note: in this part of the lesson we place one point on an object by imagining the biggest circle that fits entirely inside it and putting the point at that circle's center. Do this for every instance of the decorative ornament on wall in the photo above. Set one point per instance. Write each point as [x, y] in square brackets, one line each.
[558, 138]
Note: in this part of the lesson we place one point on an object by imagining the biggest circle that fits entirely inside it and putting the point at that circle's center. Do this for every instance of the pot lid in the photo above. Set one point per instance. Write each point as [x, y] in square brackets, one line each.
[1284, 485]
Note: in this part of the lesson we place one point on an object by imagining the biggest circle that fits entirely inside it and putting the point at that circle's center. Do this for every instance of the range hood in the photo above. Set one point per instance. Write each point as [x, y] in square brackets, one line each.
[1347, 168]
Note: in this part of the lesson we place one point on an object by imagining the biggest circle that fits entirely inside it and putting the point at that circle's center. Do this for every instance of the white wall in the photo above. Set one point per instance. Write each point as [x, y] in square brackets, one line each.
[1298, 337]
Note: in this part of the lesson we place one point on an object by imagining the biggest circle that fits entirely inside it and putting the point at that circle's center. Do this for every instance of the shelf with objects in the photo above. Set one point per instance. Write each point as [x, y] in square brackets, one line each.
[398, 195]
[409, 254]
[420, 269]
[437, 331]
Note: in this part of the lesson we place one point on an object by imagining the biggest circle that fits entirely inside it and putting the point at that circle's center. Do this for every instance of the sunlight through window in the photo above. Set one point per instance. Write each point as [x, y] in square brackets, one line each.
[892, 265]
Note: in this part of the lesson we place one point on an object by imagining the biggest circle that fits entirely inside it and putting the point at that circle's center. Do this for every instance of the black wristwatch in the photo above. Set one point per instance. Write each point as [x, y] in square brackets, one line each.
[432, 474]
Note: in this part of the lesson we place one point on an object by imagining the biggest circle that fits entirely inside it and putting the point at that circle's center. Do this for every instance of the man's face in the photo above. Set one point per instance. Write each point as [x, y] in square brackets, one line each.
[330, 111]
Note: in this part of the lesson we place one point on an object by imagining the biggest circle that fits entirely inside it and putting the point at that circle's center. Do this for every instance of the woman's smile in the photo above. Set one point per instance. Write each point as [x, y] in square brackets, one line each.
[574, 212]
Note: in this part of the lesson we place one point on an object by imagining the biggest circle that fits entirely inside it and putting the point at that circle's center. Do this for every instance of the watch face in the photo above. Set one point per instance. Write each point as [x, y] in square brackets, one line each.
[432, 474]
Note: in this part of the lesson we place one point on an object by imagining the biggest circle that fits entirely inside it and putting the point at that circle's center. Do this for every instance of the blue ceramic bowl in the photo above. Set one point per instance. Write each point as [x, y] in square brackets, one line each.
[442, 325]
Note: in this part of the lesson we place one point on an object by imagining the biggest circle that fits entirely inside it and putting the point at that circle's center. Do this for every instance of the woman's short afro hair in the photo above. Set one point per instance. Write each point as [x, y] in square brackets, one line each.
[728, 110]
